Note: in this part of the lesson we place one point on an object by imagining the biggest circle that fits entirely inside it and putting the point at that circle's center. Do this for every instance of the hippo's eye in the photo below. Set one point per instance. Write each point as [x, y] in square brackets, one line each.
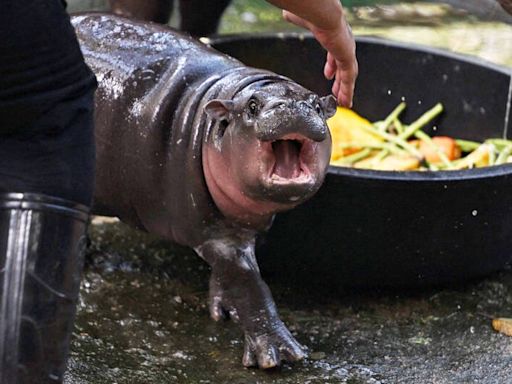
[318, 109]
[253, 107]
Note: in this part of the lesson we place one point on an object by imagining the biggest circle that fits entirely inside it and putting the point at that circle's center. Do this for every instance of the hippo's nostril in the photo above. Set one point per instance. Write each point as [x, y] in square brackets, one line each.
[304, 104]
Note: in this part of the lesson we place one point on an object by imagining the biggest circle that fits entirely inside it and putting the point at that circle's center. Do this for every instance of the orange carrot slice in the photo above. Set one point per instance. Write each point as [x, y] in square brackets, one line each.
[445, 144]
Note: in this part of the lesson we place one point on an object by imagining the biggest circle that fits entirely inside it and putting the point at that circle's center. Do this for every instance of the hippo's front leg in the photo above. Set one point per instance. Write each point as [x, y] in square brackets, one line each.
[237, 289]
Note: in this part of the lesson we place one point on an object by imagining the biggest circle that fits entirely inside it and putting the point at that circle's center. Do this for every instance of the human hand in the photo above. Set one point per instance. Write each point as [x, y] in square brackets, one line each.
[341, 63]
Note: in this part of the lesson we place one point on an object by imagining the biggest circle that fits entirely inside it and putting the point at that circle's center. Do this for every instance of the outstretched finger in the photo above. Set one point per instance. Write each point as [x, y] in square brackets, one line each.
[346, 75]
[330, 67]
[344, 94]
[336, 90]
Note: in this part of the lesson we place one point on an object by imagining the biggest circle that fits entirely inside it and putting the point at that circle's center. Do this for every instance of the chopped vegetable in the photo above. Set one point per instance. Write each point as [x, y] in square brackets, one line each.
[348, 127]
[503, 325]
[391, 145]
[390, 163]
[480, 157]
[438, 149]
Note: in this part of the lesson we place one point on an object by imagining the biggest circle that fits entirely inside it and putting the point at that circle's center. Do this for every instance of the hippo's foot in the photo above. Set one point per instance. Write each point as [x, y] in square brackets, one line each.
[237, 290]
[249, 303]
[269, 349]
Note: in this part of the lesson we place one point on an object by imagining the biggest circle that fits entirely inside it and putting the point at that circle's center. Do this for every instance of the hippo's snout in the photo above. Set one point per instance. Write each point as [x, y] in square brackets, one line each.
[278, 129]
[295, 116]
[282, 120]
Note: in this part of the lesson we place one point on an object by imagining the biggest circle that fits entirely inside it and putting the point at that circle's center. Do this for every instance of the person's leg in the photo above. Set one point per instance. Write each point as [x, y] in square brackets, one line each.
[46, 168]
[159, 11]
[54, 153]
[41, 244]
[46, 102]
[201, 17]
[507, 5]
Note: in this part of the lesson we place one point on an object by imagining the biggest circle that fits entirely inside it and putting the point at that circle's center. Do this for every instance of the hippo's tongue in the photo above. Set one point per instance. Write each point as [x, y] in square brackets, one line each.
[287, 158]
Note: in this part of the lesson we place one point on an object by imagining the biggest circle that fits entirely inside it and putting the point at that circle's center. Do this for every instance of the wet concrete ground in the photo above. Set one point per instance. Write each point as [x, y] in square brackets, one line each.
[143, 319]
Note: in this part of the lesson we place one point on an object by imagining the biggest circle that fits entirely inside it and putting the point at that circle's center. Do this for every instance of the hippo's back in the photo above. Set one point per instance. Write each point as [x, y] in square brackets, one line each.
[147, 74]
[128, 49]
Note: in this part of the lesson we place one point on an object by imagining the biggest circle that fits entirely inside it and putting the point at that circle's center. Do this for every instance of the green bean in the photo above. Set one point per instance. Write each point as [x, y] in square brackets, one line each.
[499, 143]
[388, 146]
[348, 160]
[426, 138]
[411, 129]
[471, 160]
[503, 156]
[392, 116]
[395, 139]
[456, 163]
[492, 154]
[398, 126]
[423, 120]
[433, 167]
[380, 156]
[467, 146]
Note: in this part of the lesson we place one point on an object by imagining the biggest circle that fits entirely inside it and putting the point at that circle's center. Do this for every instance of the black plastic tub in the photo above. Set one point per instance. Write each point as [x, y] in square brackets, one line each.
[375, 228]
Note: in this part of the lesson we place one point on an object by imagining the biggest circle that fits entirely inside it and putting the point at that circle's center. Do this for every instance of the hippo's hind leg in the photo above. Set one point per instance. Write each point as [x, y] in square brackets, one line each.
[237, 289]
[158, 11]
[201, 17]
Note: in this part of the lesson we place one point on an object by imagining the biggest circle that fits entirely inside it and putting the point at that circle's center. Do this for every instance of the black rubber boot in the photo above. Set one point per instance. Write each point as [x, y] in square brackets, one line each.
[41, 257]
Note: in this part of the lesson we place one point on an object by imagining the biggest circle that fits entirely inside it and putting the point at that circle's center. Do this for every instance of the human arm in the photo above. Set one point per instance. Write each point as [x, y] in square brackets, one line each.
[325, 19]
[507, 5]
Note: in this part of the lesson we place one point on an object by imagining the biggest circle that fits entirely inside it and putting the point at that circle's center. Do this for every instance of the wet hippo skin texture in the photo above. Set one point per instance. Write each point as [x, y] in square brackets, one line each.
[197, 148]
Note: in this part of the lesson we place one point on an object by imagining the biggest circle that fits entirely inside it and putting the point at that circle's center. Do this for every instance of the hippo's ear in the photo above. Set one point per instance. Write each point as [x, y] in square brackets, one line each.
[219, 109]
[328, 105]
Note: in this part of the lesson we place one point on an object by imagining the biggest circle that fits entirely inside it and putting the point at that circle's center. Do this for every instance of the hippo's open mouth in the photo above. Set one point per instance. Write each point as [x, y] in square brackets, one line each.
[291, 157]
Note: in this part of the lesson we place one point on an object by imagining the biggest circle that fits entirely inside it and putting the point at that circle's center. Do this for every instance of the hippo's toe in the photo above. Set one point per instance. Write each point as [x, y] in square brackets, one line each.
[269, 350]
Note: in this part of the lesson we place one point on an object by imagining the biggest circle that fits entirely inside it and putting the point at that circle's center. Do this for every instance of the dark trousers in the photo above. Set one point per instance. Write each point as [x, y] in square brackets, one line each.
[46, 103]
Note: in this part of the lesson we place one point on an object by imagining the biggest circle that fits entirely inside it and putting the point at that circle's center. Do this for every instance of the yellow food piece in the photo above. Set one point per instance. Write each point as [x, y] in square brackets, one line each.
[503, 325]
[347, 127]
[390, 163]
[480, 157]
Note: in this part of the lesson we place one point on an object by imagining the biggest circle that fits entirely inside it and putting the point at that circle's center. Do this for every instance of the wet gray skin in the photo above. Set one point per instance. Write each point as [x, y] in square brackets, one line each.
[201, 150]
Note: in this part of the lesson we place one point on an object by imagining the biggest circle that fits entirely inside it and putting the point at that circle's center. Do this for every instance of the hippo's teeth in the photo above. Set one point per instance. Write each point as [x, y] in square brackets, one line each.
[287, 158]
